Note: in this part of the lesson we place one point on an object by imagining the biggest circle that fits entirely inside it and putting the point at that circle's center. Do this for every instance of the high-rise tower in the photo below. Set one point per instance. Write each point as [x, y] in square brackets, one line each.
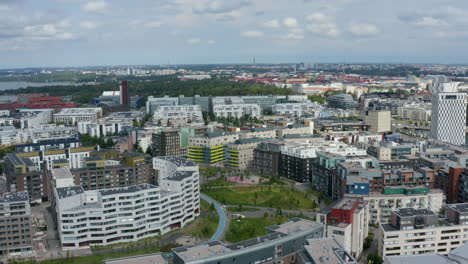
[124, 96]
[448, 114]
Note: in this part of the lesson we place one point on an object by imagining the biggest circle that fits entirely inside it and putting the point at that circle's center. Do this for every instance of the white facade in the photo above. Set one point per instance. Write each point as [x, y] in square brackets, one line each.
[75, 115]
[381, 205]
[153, 102]
[237, 110]
[126, 214]
[100, 128]
[448, 114]
[179, 114]
[10, 135]
[313, 110]
[414, 111]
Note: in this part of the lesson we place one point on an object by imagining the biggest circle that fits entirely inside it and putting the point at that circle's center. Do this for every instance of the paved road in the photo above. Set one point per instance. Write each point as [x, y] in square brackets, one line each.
[222, 218]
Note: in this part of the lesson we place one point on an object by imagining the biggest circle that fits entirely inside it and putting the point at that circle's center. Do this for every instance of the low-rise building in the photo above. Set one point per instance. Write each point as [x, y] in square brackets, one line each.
[75, 115]
[311, 109]
[177, 115]
[280, 245]
[100, 128]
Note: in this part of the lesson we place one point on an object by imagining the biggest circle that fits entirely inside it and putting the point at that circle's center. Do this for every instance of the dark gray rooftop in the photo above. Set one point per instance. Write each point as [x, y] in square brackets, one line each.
[129, 189]
[250, 140]
[461, 208]
[256, 241]
[180, 175]
[65, 192]
[409, 212]
[178, 161]
[14, 197]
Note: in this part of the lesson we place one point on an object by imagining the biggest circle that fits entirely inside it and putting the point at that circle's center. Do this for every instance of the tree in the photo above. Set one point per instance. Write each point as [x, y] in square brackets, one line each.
[149, 151]
[374, 258]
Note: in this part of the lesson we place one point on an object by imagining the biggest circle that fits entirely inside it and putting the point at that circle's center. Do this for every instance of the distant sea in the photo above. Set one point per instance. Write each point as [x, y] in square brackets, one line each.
[16, 85]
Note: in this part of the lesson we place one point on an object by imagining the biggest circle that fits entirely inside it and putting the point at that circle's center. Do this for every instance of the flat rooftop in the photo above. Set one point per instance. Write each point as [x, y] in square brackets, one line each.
[419, 259]
[128, 189]
[409, 212]
[65, 192]
[179, 161]
[14, 197]
[461, 207]
[295, 225]
[327, 251]
[143, 259]
[203, 251]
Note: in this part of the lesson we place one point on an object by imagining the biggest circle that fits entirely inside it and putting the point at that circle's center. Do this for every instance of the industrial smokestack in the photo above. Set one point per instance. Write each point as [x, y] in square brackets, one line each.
[124, 97]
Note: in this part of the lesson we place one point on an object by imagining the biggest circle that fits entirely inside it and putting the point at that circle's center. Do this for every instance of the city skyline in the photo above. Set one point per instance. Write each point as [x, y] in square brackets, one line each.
[58, 33]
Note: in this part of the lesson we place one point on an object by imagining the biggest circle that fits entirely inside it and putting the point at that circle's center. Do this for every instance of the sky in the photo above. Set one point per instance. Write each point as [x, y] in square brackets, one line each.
[57, 33]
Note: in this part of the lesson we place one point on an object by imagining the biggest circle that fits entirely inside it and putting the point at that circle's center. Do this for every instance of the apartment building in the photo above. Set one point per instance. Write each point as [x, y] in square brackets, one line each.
[240, 153]
[348, 223]
[258, 132]
[75, 115]
[211, 147]
[176, 115]
[15, 225]
[266, 157]
[100, 128]
[237, 110]
[126, 214]
[167, 143]
[325, 250]
[10, 135]
[381, 205]
[421, 231]
[153, 102]
[280, 245]
[312, 110]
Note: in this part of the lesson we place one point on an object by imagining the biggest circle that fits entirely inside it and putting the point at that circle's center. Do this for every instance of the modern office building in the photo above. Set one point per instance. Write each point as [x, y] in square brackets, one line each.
[75, 115]
[167, 143]
[379, 121]
[153, 102]
[126, 214]
[344, 101]
[421, 231]
[448, 114]
[202, 101]
[280, 245]
[15, 225]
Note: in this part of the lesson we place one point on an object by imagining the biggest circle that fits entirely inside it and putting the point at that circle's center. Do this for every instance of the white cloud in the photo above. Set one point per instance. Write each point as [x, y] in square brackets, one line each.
[56, 31]
[88, 25]
[290, 22]
[271, 24]
[364, 30]
[211, 42]
[194, 41]
[218, 6]
[252, 34]
[96, 6]
[322, 25]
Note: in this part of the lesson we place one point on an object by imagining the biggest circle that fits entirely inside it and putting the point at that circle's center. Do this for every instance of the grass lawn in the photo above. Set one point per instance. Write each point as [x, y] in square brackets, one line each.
[246, 228]
[267, 196]
[204, 227]
[218, 182]
[241, 209]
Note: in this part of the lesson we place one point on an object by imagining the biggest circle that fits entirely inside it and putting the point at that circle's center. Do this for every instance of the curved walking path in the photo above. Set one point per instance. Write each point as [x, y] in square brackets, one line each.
[222, 217]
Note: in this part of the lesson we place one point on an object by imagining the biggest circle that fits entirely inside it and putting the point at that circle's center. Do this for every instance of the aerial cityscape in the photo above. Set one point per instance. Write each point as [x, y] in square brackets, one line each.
[240, 132]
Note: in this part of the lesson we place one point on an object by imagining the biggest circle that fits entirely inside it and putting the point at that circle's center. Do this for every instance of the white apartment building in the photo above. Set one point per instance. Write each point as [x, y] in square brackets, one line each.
[237, 110]
[348, 223]
[448, 114]
[262, 132]
[313, 110]
[213, 139]
[294, 130]
[415, 111]
[75, 115]
[10, 135]
[178, 114]
[421, 231]
[126, 214]
[381, 205]
[100, 128]
[44, 159]
[28, 118]
[309, 149]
